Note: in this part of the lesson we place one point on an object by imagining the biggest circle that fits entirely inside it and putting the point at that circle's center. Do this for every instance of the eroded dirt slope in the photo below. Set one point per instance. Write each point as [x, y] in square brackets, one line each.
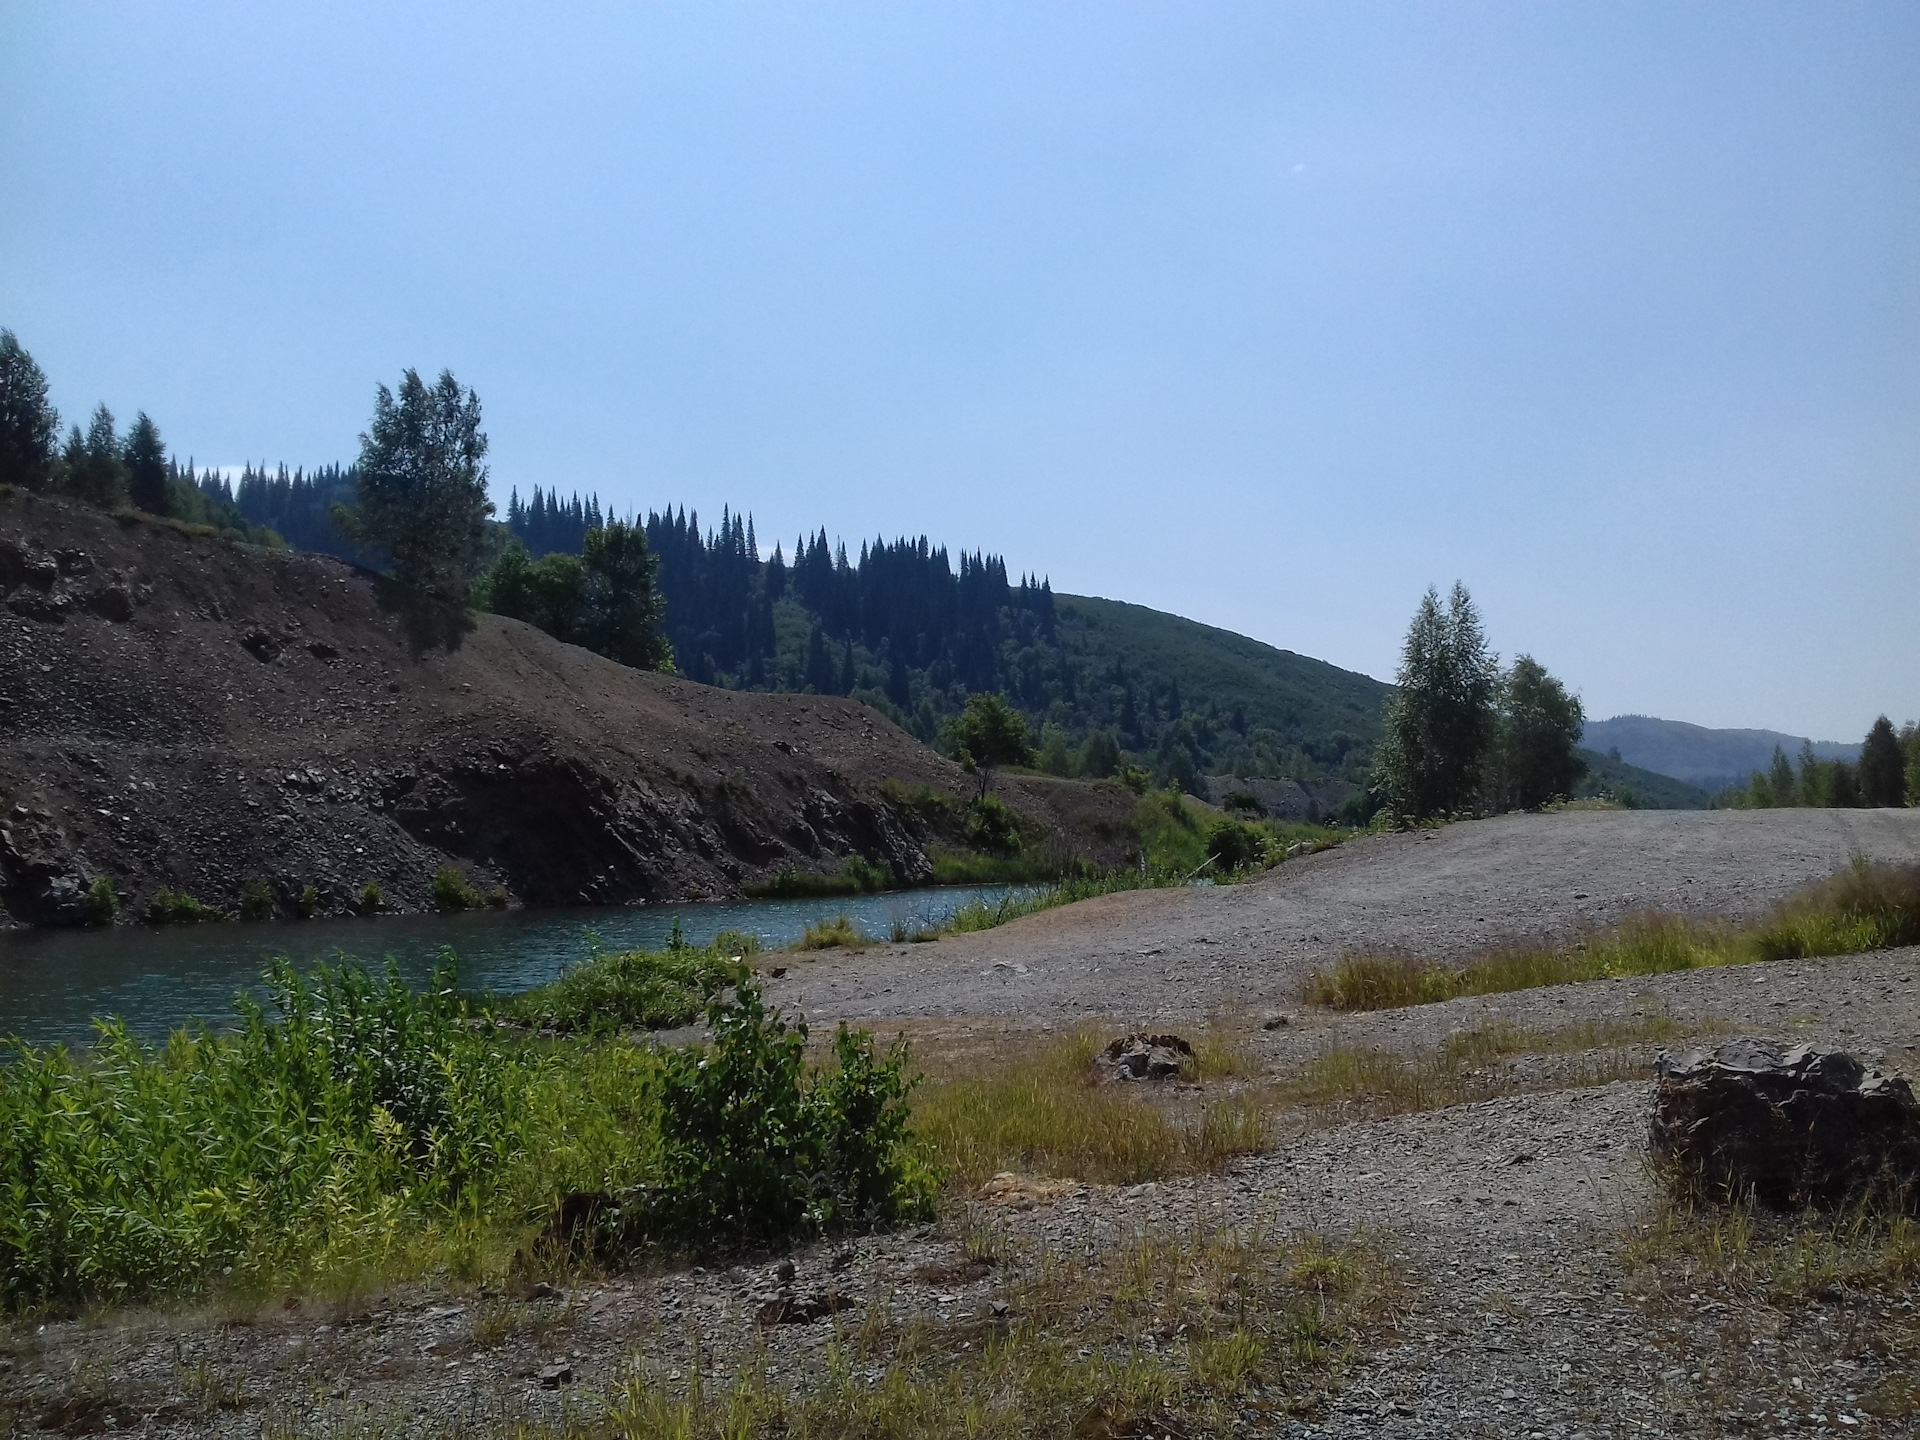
[179, 711]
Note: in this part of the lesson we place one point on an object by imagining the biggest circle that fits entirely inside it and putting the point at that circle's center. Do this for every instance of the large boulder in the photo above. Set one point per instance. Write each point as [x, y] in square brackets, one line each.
[1788, 1126]
[1146, 1057]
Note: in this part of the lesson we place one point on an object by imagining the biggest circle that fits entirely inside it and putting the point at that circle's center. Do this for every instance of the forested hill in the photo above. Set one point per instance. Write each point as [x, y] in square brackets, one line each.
[912, 629]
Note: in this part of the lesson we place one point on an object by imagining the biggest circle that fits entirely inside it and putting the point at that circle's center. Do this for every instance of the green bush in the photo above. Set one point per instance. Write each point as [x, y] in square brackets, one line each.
[308, 905]
[750, 1154]
[856, 876]
[831, 934]
[649, 989]
[256, 900]
[1235, 845]
[102, 903]
[370, 898]
[993, 827]
[177, 907]
[451, 892]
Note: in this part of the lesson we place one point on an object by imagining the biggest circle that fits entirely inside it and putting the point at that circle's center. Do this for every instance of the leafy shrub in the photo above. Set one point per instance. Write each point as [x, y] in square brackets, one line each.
[451, 892]
[1235, 845]
[308, 905]
[750, 1154]
[102, 903]
[177, 907]
[497, 898]
[370, 898]
[992, 827]
[256, 900]
[1245, 801]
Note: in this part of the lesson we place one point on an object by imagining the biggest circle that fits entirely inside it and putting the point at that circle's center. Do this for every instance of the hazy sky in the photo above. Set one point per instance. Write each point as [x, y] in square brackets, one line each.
[1270, 315]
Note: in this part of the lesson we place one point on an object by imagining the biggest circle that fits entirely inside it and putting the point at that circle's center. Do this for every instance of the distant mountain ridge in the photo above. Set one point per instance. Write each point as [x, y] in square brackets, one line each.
[1710, 759]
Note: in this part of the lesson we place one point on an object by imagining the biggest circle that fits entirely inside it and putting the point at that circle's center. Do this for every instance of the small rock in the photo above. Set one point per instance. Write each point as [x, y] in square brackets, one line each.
[1278, 1020]
[552, 1377]
[783, 1272]
[543, 1291]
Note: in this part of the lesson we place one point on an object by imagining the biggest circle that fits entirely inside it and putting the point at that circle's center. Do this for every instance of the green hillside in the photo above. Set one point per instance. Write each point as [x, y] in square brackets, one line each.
[1240, 706]
[1642, 789]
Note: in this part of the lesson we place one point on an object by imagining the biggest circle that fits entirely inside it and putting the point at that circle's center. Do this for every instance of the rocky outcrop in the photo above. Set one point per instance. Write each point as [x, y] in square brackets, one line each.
[1788, 1127]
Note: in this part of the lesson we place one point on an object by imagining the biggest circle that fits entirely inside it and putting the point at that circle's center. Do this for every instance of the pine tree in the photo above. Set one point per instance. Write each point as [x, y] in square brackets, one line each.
[1780, 778]
[29, 426]
[146, 461]
[91, 467]
[1882, 781]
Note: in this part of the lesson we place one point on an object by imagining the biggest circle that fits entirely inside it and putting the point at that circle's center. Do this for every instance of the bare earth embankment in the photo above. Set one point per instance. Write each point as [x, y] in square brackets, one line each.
[1542, 1292]
[180, 712]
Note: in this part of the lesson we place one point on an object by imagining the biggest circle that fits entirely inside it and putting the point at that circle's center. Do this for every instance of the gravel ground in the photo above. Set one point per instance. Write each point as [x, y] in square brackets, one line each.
[1159, 956]
[1510, 1218]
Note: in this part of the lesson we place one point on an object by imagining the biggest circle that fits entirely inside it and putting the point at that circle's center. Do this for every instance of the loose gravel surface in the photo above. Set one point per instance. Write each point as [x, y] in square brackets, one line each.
[1180, 955]
[1514, 1220]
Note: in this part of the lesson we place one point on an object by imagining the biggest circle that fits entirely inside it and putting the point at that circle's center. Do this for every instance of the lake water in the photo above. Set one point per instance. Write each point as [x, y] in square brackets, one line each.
[54, 982]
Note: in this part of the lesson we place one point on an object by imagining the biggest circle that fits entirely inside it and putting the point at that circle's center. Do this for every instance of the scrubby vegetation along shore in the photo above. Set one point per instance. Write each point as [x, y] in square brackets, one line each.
[354, 1130]
[1865, 907]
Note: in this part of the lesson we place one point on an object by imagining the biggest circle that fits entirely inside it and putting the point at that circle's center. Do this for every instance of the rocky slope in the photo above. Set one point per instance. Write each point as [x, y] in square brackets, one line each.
[179, 711]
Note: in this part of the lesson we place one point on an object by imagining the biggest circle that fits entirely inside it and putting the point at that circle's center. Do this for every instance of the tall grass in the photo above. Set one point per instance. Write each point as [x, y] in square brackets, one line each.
[1865, 907]
[1049, 1113]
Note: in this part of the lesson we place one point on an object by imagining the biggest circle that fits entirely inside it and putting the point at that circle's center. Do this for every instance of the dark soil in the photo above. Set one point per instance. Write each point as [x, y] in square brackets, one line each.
[180, 711]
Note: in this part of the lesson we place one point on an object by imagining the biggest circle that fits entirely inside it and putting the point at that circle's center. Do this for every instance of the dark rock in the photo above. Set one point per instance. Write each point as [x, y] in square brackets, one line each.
[35, 605]
[110, 602]
[320, 650]
[262, 646]
[1147, 1057]
[72, 562]
[552, 1377]
[1791, 1127]
[63, 902]
[13, 565]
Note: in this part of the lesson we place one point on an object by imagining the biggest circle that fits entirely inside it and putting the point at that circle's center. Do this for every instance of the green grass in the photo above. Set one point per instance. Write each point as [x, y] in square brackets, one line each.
[1865, 907]
[839, 933]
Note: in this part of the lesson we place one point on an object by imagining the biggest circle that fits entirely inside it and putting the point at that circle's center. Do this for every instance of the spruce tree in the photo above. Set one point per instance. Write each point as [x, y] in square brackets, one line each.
[29, 426]
[1882, 781]
[91, 468]
[1440, 721]
[146, 461]
[422, 489]
[1780, 778]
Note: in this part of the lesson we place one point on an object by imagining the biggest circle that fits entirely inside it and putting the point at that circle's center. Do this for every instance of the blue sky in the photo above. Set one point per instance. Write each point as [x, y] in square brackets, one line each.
[1270, 315]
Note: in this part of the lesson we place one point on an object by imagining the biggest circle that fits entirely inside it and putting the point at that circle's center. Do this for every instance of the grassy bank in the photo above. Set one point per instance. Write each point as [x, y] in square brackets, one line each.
[1865, 907]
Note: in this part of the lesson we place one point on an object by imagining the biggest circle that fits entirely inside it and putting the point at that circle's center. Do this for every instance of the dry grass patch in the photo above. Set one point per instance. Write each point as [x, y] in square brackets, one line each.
[1361, 1082]
[839, 933]
[1865, 907]
[1212, 1333]
[1047, 1112]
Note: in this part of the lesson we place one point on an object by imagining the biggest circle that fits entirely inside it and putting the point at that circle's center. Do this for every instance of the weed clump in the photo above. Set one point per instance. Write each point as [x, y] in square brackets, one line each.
[256, 900]
[177, 907]
[370, 899]
[102, 901]
[452, 892]
[308, 905]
